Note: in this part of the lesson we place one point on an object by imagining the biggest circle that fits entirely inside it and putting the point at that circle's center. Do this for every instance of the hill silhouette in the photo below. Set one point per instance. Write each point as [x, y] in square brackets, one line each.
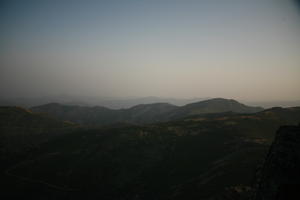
[143, 113]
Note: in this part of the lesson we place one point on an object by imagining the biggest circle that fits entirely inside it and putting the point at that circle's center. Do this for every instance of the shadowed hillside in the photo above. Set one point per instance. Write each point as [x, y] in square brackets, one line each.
[22, 130]
[198, 157]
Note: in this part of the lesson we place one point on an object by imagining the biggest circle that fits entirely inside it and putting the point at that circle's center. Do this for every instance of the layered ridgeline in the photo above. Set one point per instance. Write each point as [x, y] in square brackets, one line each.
[198, 157]
[141, 114]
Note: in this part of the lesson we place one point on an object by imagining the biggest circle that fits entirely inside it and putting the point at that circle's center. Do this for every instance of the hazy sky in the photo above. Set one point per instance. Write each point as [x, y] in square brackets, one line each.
[242, 49]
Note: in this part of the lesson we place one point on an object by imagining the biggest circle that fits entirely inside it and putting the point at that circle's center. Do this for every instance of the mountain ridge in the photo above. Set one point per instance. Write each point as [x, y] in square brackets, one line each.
[142, 113]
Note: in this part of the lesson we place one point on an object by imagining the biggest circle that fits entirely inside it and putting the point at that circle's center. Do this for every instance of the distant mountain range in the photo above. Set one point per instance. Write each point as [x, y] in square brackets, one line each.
[143, 113]
[110, 102]
[123, 103]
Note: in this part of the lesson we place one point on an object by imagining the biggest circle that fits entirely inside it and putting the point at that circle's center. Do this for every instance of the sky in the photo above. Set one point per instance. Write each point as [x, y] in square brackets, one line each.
[238, 49]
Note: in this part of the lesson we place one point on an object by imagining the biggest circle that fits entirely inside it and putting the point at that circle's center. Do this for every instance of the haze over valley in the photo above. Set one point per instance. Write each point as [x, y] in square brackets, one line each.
[150, 99]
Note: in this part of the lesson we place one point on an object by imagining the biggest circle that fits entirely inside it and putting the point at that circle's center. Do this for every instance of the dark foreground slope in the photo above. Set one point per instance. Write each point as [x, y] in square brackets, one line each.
[22, 130]
[21, 134]
[280, 176]
[198, 157]
[141, 114]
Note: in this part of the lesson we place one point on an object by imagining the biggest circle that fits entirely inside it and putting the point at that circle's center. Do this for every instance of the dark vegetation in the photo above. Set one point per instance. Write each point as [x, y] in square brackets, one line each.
[197, 155]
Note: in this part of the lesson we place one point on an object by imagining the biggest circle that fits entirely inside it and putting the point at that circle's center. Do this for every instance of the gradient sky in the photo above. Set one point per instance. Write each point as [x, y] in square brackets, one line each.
[241, 49]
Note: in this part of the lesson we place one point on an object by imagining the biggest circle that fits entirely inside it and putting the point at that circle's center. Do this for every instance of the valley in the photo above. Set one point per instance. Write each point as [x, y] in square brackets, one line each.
[198, 156]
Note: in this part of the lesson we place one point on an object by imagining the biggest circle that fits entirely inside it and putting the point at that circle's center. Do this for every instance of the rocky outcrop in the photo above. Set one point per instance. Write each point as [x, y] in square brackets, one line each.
[280, 176]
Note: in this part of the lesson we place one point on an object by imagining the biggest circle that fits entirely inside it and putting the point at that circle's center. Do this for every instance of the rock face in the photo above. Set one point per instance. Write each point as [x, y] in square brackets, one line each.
[280, 176]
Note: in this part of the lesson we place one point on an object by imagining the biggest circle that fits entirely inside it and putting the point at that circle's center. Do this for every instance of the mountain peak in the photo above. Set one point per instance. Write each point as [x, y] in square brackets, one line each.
[216, 105]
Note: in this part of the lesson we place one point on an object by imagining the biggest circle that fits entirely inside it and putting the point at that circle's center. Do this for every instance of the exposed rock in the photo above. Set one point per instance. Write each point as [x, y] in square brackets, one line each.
[280, 175]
